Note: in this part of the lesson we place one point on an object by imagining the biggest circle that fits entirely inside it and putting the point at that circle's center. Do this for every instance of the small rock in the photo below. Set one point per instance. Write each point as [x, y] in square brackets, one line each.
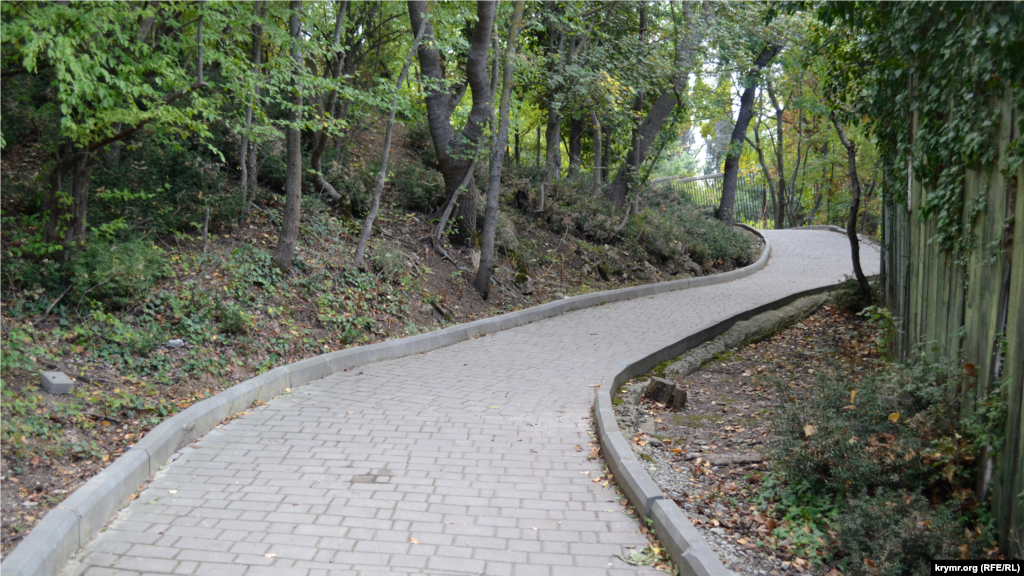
[586, 269]
[404, 230]
[175, 343]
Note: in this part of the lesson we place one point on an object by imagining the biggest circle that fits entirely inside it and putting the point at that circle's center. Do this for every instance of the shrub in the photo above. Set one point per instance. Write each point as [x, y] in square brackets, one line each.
[894, 534]
[388, 261]
[250, 266]
[117, 273]
[232, 318]
[418, 188]
[666, 229]
[885, 446]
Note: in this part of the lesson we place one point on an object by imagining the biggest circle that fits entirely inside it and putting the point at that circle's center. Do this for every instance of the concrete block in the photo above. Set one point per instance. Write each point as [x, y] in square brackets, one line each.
[638, 486]
[684, 543]
[56, 382]
[45, 550]
[99, 499]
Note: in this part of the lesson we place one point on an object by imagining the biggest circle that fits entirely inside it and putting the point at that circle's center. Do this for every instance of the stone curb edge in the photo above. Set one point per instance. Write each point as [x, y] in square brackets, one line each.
[68, 527]
[839, 229]
[685, 545]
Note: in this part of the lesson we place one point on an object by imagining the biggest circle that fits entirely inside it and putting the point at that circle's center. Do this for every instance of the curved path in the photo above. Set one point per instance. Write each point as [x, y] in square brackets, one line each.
[470, 459]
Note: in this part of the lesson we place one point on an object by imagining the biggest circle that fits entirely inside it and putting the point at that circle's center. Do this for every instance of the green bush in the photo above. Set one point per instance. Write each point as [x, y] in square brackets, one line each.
[900, 458]
[418, 188]
[665, 229]
[388, 262]
[232, 318]
[894, 533]
[117, 273]
[249, 266]
[163, 188]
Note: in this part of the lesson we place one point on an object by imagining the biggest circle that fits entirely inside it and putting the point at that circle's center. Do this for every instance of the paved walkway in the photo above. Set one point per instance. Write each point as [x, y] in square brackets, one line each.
[471, 459]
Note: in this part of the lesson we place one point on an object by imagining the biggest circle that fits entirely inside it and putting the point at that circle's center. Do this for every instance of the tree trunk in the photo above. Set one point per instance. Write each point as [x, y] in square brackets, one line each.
[482, 282]
[640, 146]
[67, 223]
[851, 223]
[454, 155]
[726, 208]
[517, 146]
[285, 251]
[648, 131]
[576, 126]
[338, 64]
[246, 151]
[598, 169]
[552, 155]
[364, 236]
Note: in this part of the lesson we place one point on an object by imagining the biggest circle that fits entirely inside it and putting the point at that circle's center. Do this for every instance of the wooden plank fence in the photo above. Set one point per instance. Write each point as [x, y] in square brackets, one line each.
[974, 309]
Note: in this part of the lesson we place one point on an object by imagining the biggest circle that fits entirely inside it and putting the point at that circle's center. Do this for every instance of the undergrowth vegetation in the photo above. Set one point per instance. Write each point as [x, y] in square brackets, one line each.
[879, 474]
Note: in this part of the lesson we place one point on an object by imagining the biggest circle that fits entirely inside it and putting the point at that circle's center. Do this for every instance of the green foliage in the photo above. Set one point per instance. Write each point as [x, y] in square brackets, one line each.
[882, 318]
[251, 265]
[117, 273]
[232, 318]
[388, 262]
[418, 188]
[865, 458]
[940, 66]
[668, 228]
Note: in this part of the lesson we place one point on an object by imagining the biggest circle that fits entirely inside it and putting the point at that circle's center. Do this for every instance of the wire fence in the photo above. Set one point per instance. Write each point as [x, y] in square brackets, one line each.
[706, 191]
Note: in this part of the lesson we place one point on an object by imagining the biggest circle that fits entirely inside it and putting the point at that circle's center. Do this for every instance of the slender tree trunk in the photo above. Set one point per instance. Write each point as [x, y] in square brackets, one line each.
[378, 188]
[576, 126]
[552, 155]
[726, 208]
[607, 129]
[517, 146]
[598, 169]
[285, 251]
[851, 223]
[780, 160]
[537, 163]
[338, 64]
[482, 282]
[246, 151]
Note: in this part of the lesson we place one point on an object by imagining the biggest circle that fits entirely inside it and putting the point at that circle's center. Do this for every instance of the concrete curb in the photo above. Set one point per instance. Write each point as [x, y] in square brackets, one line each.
[838, 229]
[685, 545]
[65, 529]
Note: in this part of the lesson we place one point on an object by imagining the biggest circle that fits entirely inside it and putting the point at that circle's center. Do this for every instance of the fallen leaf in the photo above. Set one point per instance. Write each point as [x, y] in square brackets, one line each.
[351, 412]
[494, 407]
[105, 423]
[270, 555]
[853, 396]
[413, 540]
[894, 417]
[172, 491]
[771, 524]
[809, 430]
[35, 460]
